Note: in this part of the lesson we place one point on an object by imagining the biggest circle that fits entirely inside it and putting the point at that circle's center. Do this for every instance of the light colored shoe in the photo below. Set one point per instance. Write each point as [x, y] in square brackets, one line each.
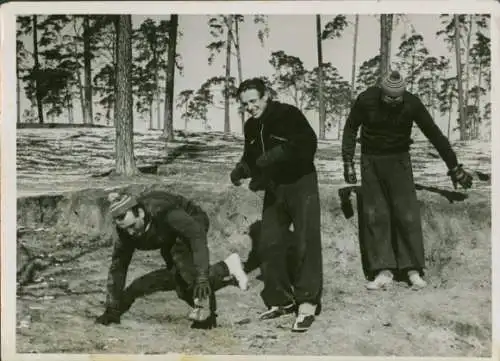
[307, 309]
[235, 267]
[382, 281]
[416, 281]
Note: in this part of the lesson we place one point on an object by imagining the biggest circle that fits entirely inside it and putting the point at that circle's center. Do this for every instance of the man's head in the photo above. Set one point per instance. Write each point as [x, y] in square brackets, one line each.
[127, 213]
[393, 87]
[253, 95]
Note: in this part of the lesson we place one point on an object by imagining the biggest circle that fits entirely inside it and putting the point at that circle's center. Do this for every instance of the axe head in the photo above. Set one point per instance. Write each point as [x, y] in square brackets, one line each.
[345, 202]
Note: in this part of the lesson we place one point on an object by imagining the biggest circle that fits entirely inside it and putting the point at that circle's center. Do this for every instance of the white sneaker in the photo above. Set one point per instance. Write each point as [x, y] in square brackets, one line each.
[235, 267]
[416, 281]
[382, 281]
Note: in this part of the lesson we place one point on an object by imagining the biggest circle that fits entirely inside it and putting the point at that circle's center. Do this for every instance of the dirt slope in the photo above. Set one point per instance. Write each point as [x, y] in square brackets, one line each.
[55, 313]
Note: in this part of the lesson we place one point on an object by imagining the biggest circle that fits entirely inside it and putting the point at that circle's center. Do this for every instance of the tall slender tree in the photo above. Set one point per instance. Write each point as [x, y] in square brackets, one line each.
[321, 101]
[385, 42]
[229, 24]
[461, 105]
[124, 146]
[37, 70]
[87, 69]
[168, 130]
[354, 53]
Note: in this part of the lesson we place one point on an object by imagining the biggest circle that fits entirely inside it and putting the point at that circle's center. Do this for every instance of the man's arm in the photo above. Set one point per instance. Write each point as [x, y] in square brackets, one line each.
[430, 129]
[242, 169]
[351, 128]
[117, 275]
[302, 141]
[194, 232]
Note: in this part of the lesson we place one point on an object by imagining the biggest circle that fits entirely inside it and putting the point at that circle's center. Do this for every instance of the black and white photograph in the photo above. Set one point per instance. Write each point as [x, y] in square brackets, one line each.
[206, 180]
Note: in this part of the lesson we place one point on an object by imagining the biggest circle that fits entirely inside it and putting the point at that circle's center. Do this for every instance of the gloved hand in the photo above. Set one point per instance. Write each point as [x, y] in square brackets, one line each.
[239, 172]
[276, 154]
[108, 317]
[350, 173]
[460, 176]
[261, 183]
[202, 288]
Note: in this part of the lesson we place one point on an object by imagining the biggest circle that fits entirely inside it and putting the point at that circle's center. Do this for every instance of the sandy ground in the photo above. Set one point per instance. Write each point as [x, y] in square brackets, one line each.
[55, 312]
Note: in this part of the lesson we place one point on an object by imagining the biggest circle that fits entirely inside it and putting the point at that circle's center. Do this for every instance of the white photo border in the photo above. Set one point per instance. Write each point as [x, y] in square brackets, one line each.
[8, 13]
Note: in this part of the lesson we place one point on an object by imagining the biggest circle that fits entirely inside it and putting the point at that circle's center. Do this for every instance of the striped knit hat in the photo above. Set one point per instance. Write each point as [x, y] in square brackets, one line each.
[393, 84]
[120, 203]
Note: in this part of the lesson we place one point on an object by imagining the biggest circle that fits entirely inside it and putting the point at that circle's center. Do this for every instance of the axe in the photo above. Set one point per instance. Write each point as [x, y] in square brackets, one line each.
[348, 210]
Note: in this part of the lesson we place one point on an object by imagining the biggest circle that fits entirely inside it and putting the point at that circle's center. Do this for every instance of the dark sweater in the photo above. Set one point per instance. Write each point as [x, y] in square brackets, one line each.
[386, 130]
[171, 220]
[281, 125]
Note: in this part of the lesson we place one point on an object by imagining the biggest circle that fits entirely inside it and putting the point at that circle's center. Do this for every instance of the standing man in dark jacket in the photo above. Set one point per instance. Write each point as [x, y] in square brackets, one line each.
[386, 115]
[177, 227]
[278, 155]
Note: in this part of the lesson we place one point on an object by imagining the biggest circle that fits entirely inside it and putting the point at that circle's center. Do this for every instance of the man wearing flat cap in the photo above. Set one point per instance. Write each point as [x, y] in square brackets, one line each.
[159, 220]
[386, 114]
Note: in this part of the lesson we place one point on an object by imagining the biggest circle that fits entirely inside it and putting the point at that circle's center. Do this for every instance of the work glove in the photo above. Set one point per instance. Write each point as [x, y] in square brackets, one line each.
[459, 176]
[202, 288]
[274, 155]
[261, 183]
[108, 317]
[239, 172]
[350, 173]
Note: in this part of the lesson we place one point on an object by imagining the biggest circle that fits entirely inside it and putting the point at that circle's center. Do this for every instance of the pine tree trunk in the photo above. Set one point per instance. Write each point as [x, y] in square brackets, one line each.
[125, 161]
[80, 84]
[157, 89]
[354, 53]
[389, 18]
[461, 106]
[37, 71]
[449, 115]
[18, 94]
[240, 71]
[151, 116]
[478, 104]
[385, 43]
[82, 96]
[69, 105]
[227, 124]
[467, 72]
[87, 54]
[322, 113]
[168, 130]
[339, 127]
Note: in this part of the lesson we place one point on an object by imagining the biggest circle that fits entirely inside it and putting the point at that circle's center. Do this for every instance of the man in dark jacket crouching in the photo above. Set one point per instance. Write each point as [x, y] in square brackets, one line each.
[278, 156]
[177, 227]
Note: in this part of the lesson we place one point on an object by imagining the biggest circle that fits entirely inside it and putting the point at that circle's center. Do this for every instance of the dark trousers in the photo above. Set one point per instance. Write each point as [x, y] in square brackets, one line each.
[297, 204]
[392, 229]
[253, 260]
[164, 279]
[179, 275]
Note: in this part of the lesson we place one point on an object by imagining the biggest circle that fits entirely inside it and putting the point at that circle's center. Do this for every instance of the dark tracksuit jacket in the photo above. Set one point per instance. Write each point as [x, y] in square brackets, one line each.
[390, 207]
[291, 197]
[178, 229]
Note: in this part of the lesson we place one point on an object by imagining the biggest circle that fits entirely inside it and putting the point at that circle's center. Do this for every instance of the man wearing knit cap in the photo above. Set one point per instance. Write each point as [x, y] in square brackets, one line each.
[177, 227]
[386, 114]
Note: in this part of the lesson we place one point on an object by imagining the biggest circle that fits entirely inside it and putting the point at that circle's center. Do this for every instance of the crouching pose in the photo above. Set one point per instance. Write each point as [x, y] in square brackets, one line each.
[177, 227]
